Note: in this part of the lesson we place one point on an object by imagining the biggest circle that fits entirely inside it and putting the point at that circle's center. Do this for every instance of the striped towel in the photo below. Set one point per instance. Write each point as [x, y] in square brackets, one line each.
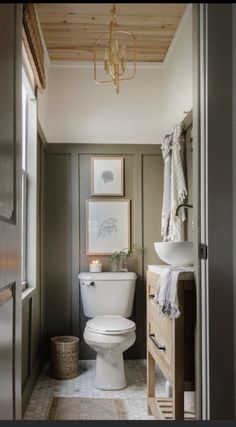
[178, 187]
[167, 292]
[166, 203]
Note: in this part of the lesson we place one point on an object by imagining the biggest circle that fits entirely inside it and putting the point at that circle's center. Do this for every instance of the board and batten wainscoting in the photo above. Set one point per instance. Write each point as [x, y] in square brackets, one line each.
[67, 186]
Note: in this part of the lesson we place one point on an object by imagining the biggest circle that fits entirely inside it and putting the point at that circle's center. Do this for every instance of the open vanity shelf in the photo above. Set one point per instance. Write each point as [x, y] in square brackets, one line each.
[162, 409]
[170, 345]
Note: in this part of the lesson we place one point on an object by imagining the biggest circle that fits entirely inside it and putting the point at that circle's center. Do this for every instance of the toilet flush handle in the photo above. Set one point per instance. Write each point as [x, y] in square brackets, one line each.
[88, 283]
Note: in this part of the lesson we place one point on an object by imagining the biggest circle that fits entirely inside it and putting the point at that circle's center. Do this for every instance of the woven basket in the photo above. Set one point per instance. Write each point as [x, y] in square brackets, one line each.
[64, 357]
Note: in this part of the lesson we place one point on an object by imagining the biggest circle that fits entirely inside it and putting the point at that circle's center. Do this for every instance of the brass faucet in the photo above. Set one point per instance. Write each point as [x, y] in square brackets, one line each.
[180, 206]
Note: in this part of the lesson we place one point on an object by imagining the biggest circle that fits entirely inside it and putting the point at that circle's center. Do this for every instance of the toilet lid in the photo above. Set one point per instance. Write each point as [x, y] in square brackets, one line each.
[110, 325]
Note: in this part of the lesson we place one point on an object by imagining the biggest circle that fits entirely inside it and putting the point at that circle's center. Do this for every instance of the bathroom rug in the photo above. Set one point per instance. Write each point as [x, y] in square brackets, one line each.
[81, 408]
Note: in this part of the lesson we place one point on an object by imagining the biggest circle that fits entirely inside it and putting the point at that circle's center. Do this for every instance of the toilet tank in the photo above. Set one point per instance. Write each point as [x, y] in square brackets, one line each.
[107, 293]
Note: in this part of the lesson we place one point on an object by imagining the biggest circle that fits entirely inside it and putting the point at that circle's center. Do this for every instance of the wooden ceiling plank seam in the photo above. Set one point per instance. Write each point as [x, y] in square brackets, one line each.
[126, 21]
[71, 29]
[122, 10]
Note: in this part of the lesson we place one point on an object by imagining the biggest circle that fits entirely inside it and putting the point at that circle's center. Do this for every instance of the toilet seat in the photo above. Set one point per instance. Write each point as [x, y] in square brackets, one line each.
[110, 325]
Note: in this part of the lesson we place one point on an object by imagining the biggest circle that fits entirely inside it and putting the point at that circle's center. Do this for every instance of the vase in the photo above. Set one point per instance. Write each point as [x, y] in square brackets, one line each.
[122, 266]
[114, 266]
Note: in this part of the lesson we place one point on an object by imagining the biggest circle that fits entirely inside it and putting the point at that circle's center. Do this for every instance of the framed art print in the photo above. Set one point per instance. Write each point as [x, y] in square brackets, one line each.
[108, 226]
[107, 176]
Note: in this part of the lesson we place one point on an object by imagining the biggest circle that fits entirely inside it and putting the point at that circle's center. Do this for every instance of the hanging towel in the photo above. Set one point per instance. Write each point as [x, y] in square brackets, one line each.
[167, 293]
[166, 202]
[178, 187]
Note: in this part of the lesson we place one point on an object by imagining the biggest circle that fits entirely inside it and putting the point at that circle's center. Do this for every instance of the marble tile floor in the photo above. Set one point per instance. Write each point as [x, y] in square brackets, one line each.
[135, 394]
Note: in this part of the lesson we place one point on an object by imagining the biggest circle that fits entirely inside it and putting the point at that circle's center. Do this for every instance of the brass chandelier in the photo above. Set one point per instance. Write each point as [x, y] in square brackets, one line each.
[115, 54]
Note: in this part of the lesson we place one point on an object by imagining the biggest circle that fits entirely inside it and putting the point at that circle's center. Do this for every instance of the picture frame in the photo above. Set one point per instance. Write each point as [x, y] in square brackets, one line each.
[107, 226]
[107, 176]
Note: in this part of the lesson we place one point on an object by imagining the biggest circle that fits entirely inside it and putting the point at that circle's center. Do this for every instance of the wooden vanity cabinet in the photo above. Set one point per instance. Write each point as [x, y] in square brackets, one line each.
[170, 345]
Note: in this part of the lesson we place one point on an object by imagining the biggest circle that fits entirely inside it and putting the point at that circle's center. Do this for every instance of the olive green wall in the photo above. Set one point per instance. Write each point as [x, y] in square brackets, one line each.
[67, 187]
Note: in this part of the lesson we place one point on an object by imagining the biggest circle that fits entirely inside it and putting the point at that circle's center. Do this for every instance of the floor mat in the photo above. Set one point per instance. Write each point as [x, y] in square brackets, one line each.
[77, 408]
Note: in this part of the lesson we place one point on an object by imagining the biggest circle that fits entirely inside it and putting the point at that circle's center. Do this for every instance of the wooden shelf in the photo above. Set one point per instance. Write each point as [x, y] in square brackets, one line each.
[162, 409]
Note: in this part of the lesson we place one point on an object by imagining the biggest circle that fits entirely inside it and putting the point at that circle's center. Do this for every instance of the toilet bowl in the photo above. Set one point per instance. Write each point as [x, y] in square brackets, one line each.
[110, 336]
[107, 299]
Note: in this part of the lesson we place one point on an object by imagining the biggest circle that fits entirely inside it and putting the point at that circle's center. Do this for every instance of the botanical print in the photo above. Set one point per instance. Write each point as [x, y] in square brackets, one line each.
[107, 176]
[107, 226]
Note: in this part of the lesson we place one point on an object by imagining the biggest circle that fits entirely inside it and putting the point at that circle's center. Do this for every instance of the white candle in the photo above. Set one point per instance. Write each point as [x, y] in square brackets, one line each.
[95, 266]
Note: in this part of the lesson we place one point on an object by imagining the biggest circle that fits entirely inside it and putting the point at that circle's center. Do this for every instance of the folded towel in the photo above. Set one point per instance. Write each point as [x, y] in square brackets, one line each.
[167, 292]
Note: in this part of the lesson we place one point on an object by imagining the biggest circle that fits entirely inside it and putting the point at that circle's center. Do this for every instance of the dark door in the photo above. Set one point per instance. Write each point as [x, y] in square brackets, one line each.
[10, 211]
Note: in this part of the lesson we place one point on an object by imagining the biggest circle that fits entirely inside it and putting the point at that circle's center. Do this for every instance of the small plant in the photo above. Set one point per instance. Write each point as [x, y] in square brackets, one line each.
[119, 258]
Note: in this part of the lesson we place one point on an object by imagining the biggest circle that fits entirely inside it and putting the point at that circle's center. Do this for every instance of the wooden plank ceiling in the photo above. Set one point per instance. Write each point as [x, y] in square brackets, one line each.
[71, 29]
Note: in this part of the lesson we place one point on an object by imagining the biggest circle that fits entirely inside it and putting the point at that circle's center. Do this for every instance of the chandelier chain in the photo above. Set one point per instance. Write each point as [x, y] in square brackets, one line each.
[115, 53]
[113, 11]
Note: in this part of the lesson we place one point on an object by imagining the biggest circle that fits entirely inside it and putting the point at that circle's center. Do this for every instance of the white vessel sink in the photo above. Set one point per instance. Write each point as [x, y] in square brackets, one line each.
[175, 253]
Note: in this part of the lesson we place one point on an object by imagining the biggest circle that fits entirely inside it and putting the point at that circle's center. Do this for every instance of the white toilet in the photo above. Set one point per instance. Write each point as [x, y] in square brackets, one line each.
[107, 299]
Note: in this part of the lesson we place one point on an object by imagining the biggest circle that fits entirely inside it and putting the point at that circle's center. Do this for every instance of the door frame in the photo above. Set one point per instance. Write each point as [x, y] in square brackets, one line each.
[213, 197]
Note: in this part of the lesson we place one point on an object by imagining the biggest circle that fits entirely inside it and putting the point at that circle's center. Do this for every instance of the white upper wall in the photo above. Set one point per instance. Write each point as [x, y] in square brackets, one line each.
[81, 111]
[74, 109]
[178, 75]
